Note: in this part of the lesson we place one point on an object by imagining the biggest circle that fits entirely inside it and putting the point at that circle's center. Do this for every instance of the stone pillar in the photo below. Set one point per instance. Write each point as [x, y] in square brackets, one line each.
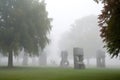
[25, 58]
[100, 59]
[78, 58]
[64, 59]
[43, 59]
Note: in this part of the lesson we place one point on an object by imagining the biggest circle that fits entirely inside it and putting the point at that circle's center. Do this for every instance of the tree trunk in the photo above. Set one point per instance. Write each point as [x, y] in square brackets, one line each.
[10, 59]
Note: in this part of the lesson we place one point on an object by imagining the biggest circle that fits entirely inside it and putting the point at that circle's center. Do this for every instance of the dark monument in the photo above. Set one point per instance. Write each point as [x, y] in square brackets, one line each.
[78, 58]
[100, 59]
[64, 59]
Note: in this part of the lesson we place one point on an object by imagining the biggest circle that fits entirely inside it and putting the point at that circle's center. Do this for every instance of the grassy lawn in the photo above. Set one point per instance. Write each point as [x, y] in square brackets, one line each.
[58, 74]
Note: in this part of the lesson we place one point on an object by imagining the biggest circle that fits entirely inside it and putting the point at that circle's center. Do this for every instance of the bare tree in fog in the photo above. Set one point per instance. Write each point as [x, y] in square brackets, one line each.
[84, 34]
[24, 24]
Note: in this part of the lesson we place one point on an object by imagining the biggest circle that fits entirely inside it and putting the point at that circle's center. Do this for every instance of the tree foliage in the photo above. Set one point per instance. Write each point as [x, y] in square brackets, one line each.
[109, 21]
[24, 24]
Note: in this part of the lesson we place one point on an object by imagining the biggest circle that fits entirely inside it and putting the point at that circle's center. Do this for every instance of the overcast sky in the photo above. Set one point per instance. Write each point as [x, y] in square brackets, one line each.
[64, 13]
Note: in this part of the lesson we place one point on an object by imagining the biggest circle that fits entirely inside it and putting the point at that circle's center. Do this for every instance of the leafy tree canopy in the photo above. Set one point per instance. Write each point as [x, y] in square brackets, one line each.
[23, 24]
[109, 21]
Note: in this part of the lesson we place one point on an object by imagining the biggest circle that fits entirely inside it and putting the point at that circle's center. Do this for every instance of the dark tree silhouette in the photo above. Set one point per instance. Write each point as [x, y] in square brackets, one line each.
[109, 22]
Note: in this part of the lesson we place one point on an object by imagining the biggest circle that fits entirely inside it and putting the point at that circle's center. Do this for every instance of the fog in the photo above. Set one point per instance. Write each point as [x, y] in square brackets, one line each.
[84, 33]
[64, 13]
[74, 25]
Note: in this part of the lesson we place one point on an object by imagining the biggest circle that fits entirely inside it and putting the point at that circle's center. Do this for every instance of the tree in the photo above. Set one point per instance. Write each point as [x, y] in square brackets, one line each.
[109, 22]
[24, 24]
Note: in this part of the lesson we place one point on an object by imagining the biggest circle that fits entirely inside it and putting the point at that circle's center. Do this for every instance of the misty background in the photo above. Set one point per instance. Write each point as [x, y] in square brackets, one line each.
[74, 25]
[76, 18]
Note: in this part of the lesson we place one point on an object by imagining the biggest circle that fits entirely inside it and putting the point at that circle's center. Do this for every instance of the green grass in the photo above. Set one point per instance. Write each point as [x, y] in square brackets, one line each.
[58, 74]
